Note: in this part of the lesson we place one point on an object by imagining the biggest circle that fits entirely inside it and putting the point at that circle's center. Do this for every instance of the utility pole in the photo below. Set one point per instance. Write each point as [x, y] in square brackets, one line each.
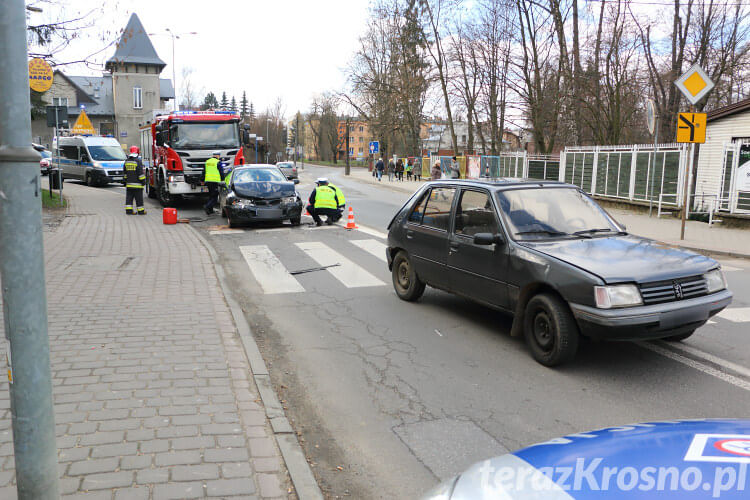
[347, 170]
[22, 270]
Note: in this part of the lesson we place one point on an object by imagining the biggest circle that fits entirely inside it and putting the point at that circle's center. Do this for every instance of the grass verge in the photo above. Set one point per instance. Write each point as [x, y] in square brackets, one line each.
[52, 199]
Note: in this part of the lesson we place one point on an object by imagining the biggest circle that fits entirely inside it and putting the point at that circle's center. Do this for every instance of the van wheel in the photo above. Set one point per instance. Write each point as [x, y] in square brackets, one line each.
[550, 330]
[407, 284]
[89, 181]
[682, 336]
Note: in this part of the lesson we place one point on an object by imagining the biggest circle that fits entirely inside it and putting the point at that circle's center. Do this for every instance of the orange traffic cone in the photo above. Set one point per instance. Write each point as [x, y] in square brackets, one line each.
[350, 220]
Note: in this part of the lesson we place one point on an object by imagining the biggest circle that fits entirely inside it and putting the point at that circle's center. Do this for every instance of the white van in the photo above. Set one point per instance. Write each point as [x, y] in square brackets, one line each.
[95, 160]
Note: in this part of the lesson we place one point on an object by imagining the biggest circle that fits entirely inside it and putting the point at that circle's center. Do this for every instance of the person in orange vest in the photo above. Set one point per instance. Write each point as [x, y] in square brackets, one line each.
[135, 179]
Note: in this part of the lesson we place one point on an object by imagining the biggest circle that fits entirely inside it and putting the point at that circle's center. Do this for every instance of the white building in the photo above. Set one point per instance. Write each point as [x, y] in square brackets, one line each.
[724, 159]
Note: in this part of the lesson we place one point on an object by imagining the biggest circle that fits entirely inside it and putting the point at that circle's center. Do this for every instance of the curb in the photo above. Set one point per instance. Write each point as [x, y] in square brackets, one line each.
[294, 458]
[705, 251]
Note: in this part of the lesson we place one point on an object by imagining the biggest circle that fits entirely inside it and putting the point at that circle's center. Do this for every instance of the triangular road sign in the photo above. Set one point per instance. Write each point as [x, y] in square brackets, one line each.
[83, 125]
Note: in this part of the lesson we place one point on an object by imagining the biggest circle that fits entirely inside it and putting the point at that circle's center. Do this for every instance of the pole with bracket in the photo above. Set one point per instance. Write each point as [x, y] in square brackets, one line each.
[347, 170]
[686, 185]
[22, 270]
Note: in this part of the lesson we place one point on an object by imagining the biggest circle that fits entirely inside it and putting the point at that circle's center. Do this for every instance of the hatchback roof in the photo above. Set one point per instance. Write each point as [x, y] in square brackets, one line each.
[501, 183]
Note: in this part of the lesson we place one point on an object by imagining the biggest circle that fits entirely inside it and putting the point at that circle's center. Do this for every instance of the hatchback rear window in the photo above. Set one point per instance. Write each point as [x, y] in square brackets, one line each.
[438, 210]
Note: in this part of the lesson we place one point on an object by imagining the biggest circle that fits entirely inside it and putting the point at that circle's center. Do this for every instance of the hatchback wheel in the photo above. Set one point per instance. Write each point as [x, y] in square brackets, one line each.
[550, 330]
[407, 284]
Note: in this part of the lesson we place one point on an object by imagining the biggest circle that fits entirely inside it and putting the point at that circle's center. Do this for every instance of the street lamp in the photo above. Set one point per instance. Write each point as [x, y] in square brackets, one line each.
[268, 120]
[174, 73]
[256, 148]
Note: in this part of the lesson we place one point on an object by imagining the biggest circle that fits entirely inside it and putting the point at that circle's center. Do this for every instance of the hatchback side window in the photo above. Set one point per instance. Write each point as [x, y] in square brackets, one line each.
[416, 214]
[475, 214]
[437, 213]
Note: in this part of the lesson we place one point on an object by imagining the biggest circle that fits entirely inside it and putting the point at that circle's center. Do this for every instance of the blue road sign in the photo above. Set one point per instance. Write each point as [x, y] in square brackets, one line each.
[374, 147]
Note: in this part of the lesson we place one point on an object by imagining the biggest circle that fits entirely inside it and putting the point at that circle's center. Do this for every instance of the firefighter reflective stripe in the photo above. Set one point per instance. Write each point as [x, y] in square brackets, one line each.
[325, 197]
[134, 186]
[141, 209]
[128, 207]
[142, 177]
[212, 171]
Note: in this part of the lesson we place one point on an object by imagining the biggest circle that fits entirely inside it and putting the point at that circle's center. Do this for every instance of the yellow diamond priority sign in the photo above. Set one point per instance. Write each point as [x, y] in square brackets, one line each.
[691, 127]
[694, 84]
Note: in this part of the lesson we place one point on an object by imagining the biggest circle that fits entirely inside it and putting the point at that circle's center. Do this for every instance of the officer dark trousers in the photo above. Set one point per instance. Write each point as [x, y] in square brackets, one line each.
[130, 195]
[330, 214]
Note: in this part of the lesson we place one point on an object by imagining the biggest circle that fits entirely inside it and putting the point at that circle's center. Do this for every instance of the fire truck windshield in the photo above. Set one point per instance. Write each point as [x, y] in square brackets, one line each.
[202, 135]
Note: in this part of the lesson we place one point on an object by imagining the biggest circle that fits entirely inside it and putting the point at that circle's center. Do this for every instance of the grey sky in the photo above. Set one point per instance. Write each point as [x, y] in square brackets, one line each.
[270, 48]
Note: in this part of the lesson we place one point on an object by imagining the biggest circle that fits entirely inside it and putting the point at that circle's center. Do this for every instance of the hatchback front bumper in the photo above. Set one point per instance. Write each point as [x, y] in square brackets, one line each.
[649, 322]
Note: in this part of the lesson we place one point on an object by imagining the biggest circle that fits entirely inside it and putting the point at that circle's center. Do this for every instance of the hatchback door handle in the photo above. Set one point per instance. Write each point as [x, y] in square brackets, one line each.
[409, 233]
[454, 246]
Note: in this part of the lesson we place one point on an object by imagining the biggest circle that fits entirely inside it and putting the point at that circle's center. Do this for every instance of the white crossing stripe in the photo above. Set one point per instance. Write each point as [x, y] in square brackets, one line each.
[373, 247]
[227, 231]
[736, 314]
[347, 272]
[268, 270]
[372, 232]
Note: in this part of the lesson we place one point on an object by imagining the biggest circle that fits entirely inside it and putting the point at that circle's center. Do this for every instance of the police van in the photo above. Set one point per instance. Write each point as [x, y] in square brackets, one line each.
[95, 160]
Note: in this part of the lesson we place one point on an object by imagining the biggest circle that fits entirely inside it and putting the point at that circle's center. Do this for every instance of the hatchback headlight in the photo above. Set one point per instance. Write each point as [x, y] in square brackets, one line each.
[289, 199]
[715, 281]
[608, 297]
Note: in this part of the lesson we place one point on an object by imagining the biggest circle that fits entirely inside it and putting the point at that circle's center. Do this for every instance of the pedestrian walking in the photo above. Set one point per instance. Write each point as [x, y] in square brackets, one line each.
[212, 177]
[323, 201]
[400, 170]
[379, 167]
[455, 169]
[135, 179]
[391, 170]
[436, 172]
[417, 171]
[409, 167]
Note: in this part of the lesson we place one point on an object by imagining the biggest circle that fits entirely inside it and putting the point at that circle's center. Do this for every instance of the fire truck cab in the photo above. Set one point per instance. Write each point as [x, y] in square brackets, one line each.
[175, 148]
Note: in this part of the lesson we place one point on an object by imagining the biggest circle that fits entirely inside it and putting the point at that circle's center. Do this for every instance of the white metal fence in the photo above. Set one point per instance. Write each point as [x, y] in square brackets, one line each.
[630, 172]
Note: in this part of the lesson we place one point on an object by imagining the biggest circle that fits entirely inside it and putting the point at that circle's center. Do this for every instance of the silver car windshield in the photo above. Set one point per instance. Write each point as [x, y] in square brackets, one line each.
[542, 213]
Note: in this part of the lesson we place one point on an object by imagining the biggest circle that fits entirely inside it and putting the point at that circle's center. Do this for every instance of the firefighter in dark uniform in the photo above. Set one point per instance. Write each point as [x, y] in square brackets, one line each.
[323, 201]
[135, 179]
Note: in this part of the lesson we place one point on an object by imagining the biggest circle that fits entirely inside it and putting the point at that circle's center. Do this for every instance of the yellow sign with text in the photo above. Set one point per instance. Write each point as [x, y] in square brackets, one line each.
[40, 75]
[691, 127]
[83, 125]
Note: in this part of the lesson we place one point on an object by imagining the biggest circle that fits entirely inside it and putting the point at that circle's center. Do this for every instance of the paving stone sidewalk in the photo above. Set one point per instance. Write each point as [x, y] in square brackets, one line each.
[154, 397]
[698, 235]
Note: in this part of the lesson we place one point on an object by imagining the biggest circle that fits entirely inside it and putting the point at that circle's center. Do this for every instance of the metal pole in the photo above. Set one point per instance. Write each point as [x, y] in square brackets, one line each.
[22, 269]
[347, 170]
[174, 73]
[685, 194]
[656, 140]
[296, 139]
[267, 120]
[256, 149]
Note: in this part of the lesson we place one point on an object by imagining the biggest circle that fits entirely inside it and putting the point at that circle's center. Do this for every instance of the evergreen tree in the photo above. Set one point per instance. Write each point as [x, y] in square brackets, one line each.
[224, 102]
[251, 113]
[210, 102]
[233, 105]
[244, 109]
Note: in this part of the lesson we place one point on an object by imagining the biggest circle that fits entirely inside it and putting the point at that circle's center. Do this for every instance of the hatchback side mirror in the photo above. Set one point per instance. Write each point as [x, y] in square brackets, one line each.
[296, 181]
[487, 239]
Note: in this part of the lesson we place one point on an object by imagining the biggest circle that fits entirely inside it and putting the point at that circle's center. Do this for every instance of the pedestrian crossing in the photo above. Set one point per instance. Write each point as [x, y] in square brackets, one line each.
[274, 277]
[351, 275]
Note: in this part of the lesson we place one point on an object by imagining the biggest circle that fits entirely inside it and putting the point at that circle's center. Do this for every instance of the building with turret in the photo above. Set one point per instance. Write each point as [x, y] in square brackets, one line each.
[116, 102]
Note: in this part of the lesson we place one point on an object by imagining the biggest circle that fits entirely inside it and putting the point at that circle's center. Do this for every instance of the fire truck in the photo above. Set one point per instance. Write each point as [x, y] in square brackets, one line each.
[175, 148]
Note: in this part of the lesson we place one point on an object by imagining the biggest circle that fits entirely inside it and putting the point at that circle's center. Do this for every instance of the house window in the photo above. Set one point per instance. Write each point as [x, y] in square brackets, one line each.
[361, 139]
[361, 150]
[60, 101]
[137, 97]
[361, 128]
[463, 139]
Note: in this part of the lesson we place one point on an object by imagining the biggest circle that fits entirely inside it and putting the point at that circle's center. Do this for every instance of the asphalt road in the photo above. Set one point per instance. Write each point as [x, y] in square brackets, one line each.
[390, 397]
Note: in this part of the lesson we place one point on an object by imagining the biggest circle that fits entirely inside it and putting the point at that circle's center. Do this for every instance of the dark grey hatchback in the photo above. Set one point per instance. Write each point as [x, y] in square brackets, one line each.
[550, 255]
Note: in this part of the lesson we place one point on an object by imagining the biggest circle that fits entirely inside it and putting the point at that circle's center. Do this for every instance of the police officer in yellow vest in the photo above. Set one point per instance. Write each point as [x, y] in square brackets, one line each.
[323, 201]
[212, 176]
[135, 179]
[341, 201]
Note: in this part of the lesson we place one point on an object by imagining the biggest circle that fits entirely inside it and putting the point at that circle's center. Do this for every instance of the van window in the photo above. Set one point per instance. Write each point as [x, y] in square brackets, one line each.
[107, 153]
[69, 152]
